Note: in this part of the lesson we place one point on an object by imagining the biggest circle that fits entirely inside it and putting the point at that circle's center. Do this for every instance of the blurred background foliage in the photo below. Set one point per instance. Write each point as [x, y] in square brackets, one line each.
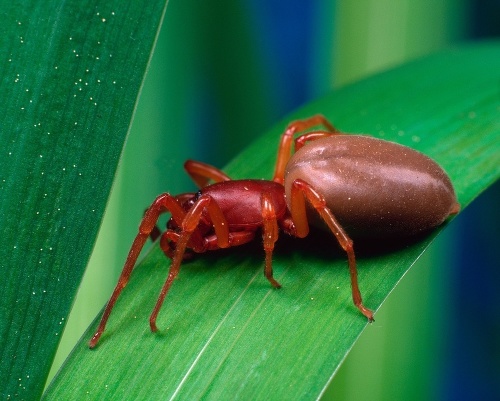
[225, 71]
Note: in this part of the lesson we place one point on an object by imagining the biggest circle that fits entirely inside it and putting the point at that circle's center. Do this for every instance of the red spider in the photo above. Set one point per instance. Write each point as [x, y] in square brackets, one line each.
[373, 187]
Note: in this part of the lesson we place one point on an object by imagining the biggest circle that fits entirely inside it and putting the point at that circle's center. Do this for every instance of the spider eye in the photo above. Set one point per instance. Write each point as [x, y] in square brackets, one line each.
[197, 195]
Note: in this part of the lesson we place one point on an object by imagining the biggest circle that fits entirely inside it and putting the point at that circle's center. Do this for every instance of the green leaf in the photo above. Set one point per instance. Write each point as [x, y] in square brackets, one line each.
[71, 74]
[224, 333]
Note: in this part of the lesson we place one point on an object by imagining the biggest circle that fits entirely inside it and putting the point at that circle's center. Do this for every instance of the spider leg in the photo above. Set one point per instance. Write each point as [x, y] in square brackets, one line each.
[301, 191]
[189, 225]
[162, 203]
[181, 199]
[312, 136]
[269, 236]
[201, 173]
[286, 141]
[168, 243]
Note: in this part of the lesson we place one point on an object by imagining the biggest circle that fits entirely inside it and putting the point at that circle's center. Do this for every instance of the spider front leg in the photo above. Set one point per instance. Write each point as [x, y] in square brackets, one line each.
[188, 226]
[162, 203]
[302, 191]
[156, 232]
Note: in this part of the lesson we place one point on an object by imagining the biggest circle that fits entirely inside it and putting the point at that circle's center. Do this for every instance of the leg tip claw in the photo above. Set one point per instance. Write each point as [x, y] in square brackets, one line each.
[153, 327]
[93, 341]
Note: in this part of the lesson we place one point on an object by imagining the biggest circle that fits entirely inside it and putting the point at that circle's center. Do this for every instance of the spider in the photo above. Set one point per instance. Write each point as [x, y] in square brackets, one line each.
[342, 182]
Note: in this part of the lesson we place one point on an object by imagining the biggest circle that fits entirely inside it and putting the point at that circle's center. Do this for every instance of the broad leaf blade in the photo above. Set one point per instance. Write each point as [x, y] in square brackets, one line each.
[71, 73]
[225, 333]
